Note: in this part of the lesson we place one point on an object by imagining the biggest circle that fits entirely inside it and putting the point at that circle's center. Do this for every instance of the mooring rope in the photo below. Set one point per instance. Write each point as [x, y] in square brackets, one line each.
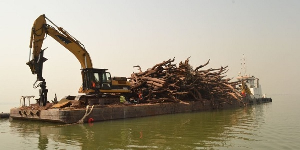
[86, 113]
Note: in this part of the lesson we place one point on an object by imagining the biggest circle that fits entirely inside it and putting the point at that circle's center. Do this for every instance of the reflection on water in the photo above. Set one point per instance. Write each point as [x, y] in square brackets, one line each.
[201, 130]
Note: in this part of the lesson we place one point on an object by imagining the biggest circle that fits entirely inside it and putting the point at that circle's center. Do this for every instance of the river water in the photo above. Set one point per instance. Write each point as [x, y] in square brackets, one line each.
[273, 125]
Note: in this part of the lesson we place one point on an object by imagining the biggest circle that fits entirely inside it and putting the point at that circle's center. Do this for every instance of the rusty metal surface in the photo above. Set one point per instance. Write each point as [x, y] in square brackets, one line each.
[60, 105]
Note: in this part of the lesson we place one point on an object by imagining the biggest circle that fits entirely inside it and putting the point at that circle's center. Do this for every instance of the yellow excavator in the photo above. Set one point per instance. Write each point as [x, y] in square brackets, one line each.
[95, 82]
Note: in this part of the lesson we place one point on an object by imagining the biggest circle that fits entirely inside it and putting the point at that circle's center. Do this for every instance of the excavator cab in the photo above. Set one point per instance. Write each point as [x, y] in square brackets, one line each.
[96, 81]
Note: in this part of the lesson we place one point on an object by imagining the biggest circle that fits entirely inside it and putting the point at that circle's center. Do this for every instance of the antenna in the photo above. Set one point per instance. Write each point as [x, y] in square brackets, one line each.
[243, 66]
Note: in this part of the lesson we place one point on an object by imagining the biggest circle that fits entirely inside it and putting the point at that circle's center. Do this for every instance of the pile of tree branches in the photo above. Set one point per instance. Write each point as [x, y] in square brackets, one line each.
[168, 82]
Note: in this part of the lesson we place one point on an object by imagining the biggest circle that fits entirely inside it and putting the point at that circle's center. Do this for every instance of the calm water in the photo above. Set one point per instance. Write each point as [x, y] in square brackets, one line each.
[268, 126]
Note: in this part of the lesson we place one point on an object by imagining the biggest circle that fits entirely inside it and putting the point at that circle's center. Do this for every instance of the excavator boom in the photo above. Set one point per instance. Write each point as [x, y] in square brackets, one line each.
[38, 33]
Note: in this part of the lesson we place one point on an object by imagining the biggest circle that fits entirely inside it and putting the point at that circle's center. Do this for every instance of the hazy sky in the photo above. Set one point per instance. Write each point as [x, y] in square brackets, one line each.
[121, 34]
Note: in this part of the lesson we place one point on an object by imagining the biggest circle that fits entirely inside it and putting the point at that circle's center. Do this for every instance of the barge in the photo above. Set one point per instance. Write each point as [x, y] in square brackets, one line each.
[62, 112]
[68, 115]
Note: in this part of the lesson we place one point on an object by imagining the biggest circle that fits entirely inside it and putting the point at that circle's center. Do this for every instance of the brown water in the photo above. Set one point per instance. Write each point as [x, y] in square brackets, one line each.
[273, 125]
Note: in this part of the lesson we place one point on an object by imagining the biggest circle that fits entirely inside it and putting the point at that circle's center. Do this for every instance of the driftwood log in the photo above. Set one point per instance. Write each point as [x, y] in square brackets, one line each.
[167, 81]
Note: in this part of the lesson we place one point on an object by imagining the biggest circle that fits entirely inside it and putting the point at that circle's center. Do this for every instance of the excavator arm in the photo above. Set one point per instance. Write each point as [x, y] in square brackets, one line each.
[38, 33]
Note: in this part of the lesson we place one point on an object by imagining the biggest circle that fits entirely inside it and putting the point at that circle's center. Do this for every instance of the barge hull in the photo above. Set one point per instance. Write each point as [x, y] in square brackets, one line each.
[108, 112]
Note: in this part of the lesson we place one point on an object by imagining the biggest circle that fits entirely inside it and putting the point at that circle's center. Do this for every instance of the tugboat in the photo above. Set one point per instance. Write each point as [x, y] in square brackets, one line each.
[250, 88]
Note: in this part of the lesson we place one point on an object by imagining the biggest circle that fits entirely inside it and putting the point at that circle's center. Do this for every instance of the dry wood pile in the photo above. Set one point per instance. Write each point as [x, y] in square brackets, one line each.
[168, 82]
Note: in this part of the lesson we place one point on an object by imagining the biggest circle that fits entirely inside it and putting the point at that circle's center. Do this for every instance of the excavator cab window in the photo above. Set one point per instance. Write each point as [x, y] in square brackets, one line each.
[106, 77]
[106, 81]
[96, 82]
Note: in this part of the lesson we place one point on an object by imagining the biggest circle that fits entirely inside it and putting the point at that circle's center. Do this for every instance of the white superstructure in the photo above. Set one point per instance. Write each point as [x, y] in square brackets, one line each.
[251, 81]
[253, 84]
